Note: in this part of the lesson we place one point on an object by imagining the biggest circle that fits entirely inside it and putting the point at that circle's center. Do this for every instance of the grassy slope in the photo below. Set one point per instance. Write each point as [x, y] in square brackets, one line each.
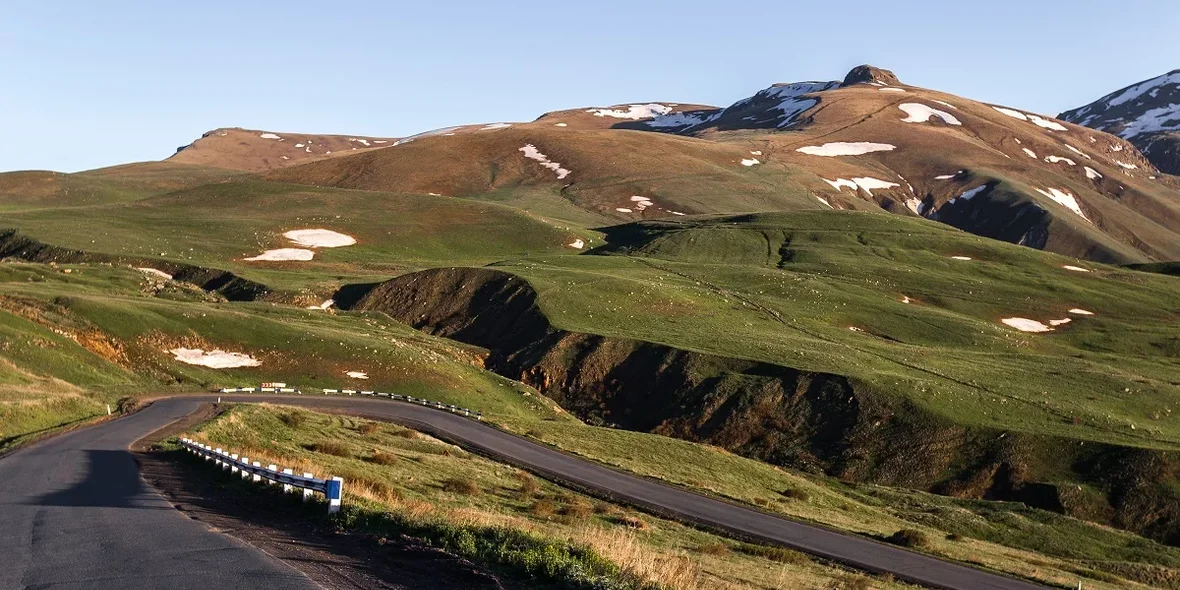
[388, 468]
[718, 288]
[217, 225]
[314, 348]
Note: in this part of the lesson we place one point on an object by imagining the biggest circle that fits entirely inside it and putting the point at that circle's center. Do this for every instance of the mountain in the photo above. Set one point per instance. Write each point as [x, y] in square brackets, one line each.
[255, 150]
[1147, 114]
[866, 143]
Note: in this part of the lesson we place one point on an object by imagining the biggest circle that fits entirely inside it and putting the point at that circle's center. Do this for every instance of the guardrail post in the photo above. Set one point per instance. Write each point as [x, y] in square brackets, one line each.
[307, 492]
[334, 493]
[287, 487]
[255, 476]
[233, 468]
[245, 472]
[223, 464]
[274, 469]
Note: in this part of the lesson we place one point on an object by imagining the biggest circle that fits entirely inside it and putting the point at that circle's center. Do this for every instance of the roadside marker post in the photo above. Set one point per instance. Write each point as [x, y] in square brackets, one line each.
[254, 476]
[274, 468]
[233, 468]
[287, 487]
[335, 491]
[245, 473]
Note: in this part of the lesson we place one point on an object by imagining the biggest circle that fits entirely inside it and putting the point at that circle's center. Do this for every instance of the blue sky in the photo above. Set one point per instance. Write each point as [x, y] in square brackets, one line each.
[89, 84]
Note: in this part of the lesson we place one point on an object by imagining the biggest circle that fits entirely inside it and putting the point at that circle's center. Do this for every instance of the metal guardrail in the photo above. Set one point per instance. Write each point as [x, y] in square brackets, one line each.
[332, 488]
[478, 415]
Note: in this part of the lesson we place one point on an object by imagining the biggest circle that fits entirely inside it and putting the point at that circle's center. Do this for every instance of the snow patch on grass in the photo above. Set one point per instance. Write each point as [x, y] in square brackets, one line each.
[1092, 174]
[1056, 159]
[1030, 153]
[622, 210]
[1078, 311]
[1125, 165]
[577, 244]
[493, 126]
[284, 254]
[357, 374]
[1026, 325]
[214, 359]
[961, 257]
[269, 136]
[843, 148]
[891, 89]
[319, 238]
[531, 152]
[750, 162]
[156, 273]
[1075, 268]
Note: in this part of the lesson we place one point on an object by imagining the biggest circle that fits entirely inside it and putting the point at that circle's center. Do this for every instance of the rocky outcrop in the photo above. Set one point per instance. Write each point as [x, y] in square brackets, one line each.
[867, 74]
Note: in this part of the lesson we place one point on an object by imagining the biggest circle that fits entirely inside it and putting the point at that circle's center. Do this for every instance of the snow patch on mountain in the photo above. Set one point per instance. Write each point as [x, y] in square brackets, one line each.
[845, 148]
[1065, 199]
[920, 113]
[530, 151]
[867, 183]
[633, 112]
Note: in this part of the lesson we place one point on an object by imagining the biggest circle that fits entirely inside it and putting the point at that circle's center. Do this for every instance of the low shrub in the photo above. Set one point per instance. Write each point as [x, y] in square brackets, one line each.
[773, 553]
[386, 459]
[909, 538]
[714, 549]
[631, 521]
[331, 447]
[293, 419]
[370, 428]
[528, 485]
[543, 508]
[461, 485]
[795, 494]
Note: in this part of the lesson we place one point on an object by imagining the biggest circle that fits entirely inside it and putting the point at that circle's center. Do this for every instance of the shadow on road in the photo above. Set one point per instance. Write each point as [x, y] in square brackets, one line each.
[112, 480]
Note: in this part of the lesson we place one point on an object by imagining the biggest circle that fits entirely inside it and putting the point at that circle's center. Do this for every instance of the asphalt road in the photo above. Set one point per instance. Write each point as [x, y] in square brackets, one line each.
[76, 512]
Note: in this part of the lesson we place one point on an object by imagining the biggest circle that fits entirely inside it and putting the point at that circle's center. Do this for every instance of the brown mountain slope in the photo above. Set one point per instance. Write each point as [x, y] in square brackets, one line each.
[612, 174]
[868, 143]
[254, 150]
[991, 170]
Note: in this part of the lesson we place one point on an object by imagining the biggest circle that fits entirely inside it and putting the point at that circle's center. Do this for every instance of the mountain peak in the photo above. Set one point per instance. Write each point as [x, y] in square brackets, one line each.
[867, 73]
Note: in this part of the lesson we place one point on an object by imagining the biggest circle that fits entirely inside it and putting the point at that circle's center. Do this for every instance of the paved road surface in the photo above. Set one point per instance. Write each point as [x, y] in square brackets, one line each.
[74, 514]
[140, 539]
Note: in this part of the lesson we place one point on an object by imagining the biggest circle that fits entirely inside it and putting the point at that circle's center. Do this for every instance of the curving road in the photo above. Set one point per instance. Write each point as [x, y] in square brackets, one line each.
[81, 516]
[74, 514]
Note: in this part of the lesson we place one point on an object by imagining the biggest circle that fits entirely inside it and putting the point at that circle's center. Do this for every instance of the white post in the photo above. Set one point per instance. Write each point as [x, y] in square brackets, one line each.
[206, 453]
[233, 467]
[108, 409]
[245, 473]
[256, 465]
[306, 492]
[218, 461]
[273, 469]
[287, 486]
[335, 494]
